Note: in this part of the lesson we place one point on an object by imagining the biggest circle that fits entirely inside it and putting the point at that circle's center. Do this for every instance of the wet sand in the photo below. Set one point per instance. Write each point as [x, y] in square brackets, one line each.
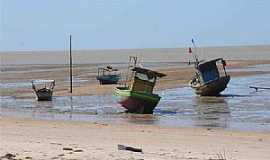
[85, 83]
[38, 139]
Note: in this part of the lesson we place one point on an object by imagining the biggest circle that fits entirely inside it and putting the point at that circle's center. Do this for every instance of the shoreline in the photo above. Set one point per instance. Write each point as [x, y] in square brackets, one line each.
[130, 119]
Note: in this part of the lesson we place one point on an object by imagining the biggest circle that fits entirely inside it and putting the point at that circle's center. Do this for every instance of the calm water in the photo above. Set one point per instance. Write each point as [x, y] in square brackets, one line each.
[239, 107]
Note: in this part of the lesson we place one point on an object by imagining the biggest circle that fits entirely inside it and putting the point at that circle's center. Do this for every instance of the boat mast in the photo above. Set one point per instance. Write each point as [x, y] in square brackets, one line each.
[132, 63]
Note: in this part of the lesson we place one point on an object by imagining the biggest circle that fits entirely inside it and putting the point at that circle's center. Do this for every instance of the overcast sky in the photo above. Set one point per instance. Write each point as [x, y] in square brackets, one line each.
[110, 24]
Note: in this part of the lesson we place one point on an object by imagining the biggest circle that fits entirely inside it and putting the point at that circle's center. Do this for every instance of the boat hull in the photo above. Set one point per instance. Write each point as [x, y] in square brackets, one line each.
[108, 79]
[136, 102]
[213, 88]
[44, 95]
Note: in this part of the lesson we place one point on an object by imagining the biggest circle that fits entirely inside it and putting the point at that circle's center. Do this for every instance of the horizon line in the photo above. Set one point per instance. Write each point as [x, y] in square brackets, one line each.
[146, 48]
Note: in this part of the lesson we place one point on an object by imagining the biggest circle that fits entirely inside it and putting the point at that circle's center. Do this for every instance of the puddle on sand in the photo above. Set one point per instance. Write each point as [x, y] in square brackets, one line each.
[239, 107]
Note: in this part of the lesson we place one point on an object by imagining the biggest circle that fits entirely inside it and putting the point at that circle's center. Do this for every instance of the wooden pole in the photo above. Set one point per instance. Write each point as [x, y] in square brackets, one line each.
[70, 63]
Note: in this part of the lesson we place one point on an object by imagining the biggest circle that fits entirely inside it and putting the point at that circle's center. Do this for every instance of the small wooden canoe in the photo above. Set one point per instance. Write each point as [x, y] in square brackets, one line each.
[43, 89]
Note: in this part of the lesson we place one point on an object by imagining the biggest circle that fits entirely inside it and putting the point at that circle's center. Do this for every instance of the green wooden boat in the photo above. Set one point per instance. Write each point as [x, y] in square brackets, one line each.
[137, 102]
[138, 97]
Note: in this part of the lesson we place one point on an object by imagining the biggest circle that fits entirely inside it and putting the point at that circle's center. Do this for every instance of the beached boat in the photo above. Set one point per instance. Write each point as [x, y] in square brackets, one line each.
[108, 75]
[138, 96]
[209, 79]
[43, 89]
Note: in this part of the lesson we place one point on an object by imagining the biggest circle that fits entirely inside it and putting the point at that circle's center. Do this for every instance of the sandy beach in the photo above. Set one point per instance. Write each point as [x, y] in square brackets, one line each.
[26, 138]
[36, 139]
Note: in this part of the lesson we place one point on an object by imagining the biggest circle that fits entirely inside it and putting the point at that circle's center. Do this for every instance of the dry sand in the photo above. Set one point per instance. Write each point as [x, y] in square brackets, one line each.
[38, 139]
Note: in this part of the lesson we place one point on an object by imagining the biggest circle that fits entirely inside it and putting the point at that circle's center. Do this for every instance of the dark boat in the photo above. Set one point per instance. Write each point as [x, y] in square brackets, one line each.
[209, 79]
[43, 89]
[138, 96]
[108, 75]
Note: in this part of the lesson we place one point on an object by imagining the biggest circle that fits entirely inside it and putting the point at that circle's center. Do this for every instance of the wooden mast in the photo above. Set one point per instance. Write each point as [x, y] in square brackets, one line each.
[70, 63]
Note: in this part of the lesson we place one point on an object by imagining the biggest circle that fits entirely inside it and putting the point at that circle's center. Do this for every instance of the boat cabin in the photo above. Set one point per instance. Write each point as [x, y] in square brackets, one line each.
[210, 70]
[144, 80]
[106, 71]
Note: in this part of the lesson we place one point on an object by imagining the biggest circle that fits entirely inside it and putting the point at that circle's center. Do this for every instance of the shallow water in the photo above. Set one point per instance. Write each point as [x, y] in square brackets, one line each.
[255, 68]
[28, 84]
[239, 107]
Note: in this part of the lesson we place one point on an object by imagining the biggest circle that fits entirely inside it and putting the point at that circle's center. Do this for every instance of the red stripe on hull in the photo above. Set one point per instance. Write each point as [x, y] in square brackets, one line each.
[134, 105]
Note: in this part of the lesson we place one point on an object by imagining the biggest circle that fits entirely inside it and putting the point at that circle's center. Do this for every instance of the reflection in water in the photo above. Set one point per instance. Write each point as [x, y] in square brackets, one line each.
[212, 112]
[71, 108]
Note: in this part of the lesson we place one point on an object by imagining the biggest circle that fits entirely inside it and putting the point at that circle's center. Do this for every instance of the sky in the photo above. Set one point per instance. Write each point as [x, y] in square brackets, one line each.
[114, 24]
